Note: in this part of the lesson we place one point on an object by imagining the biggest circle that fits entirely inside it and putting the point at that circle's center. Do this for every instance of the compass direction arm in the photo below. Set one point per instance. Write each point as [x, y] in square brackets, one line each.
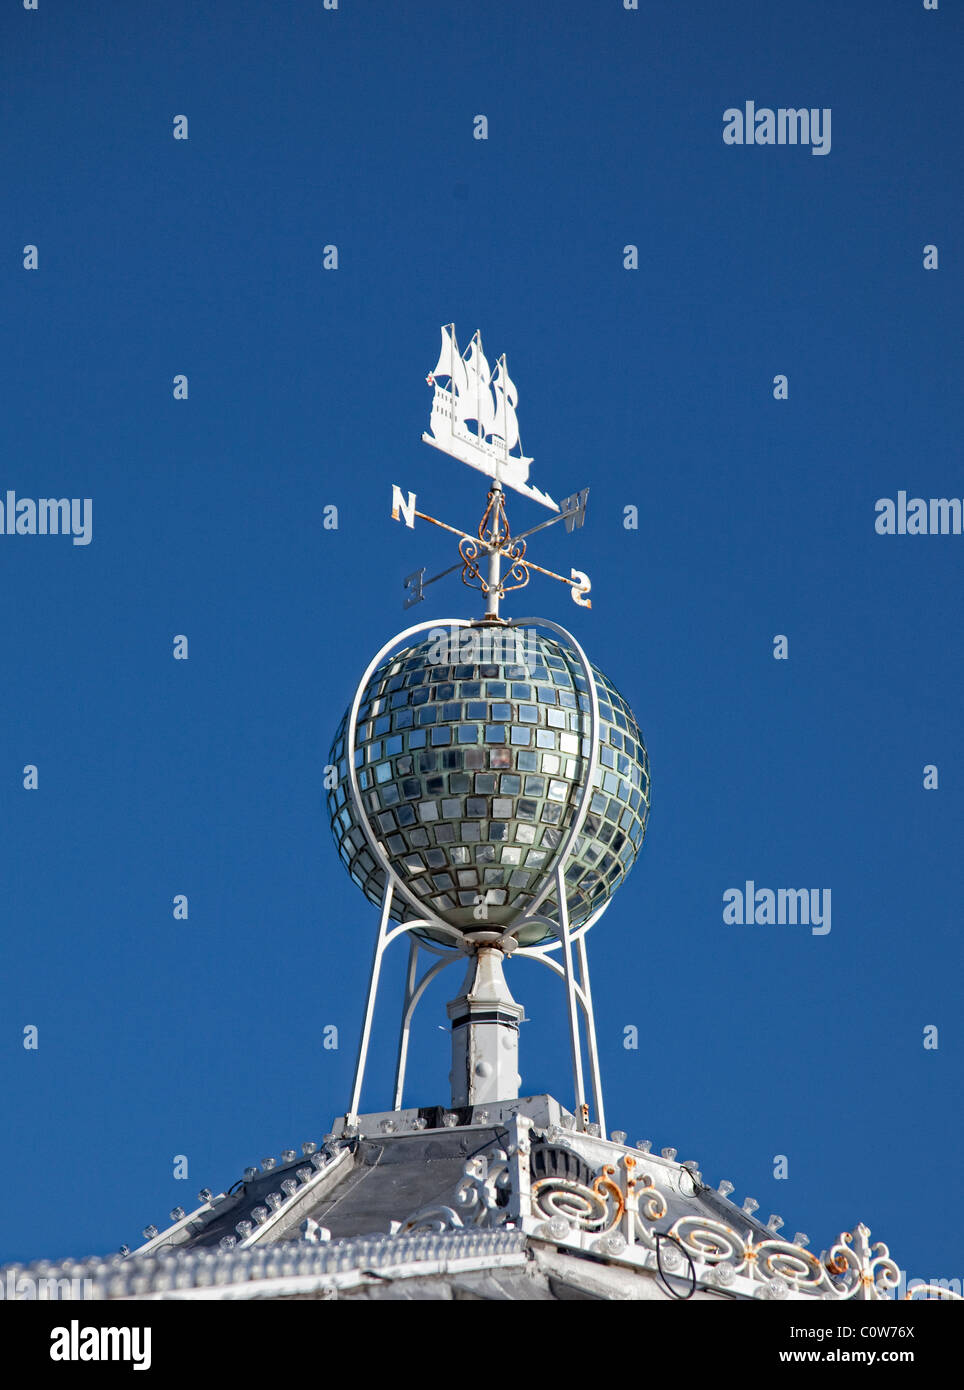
[423, 516]
[580, 583]
[417, 583]
[573, 513]
[403, 509]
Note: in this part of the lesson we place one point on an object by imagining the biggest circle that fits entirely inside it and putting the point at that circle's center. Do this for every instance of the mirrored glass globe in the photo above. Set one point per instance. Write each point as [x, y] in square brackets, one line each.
[470, 770]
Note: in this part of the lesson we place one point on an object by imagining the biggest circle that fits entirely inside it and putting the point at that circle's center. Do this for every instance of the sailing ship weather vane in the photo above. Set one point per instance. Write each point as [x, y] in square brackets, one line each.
[474, 420]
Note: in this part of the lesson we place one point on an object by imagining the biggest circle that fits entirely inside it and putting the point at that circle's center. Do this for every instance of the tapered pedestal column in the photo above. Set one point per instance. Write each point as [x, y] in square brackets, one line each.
[485, 1034]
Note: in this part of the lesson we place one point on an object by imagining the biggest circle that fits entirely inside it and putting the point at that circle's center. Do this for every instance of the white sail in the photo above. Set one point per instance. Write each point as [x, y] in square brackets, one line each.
[443, 366]
[477, 403]
[506, 420]
[480, 360]
[450, 362]
[506, 382]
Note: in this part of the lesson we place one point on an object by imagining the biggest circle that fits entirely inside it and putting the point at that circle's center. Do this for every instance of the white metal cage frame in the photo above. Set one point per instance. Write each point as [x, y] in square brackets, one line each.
[573, 967]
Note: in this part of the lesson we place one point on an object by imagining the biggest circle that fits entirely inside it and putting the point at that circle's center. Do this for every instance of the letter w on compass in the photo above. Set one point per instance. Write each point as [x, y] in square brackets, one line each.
[474, 420]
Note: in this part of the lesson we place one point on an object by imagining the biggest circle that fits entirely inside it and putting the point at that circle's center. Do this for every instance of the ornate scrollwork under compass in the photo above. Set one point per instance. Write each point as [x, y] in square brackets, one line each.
[494, 536]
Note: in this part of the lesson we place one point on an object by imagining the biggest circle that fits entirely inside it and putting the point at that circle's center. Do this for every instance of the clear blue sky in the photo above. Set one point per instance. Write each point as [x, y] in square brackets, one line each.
[654, 387]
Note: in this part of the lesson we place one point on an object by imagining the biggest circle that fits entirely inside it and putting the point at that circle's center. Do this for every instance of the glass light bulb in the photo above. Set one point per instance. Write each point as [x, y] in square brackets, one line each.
[613, 1244]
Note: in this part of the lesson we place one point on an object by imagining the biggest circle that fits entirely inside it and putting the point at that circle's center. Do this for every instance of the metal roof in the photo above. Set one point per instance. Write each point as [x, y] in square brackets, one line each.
[414, 1205]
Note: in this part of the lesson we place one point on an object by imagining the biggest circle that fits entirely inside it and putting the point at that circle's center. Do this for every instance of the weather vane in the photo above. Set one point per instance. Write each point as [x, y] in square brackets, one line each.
[474, 420]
